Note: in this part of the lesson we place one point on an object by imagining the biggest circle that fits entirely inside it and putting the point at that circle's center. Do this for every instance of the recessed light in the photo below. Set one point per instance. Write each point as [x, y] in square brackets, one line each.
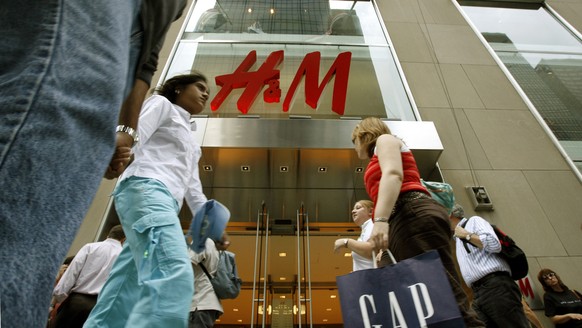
[282, 296]
[359, 169]
[245, 168]
[282, 278]
[322, 169]
[347, 254]
[235, 310]
[328, 309]
[332, 296]
[207, 168]
[282, 254]
[283, 168]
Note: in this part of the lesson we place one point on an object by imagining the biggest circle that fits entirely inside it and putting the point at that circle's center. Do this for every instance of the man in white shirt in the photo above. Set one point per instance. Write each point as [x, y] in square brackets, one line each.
[206, 306]
[496, 297]
[79, 286]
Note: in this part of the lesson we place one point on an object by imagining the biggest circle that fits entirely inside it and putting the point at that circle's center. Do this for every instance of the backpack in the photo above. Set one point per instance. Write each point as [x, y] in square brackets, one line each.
[510, 252]
[442, 192]
[226, 283]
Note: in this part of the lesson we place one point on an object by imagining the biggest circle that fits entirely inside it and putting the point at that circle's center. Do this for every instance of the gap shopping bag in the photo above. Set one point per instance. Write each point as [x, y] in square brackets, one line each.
[412, 293]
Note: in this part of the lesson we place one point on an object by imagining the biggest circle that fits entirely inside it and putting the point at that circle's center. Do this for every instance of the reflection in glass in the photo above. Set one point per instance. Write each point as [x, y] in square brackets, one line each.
[545, 59]
[220, 34]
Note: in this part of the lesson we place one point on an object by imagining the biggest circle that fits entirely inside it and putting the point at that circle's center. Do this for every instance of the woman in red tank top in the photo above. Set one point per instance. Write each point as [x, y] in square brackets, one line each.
[407, 221]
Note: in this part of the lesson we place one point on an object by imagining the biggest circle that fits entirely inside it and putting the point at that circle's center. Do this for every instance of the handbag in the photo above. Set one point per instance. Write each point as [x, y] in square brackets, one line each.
[442, 192]
[411, 293]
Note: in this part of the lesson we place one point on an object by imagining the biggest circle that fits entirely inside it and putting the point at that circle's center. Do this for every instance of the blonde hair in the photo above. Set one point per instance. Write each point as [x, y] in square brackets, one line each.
[368, 204]
[368, 131]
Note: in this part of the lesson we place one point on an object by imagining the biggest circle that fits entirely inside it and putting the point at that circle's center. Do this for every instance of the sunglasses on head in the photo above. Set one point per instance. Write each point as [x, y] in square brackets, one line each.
[549, 275]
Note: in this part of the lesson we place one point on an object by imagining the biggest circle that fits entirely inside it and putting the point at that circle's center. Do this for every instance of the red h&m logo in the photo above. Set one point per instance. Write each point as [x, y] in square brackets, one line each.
[267, 74]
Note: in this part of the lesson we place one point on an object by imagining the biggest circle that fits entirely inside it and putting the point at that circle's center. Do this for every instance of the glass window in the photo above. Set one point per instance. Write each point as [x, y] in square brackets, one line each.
[220, 35]
[545, 58]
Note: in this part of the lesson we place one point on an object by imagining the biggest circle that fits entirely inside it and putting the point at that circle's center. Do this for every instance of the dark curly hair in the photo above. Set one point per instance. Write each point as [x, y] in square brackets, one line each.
[171, 87]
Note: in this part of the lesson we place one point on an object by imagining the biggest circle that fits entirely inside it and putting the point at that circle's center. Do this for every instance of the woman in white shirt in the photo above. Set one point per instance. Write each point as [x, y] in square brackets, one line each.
[361, 249]
[151, 283]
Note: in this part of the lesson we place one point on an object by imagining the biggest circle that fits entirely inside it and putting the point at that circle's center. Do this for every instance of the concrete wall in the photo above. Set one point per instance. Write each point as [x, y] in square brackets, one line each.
[489, 135]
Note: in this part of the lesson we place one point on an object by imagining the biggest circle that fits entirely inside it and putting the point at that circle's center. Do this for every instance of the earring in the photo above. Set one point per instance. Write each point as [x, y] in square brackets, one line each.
[177, 91]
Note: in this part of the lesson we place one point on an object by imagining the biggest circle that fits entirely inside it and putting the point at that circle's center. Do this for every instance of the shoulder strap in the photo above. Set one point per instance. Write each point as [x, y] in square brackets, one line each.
[463, 240]
[205, 271]
[576, 293]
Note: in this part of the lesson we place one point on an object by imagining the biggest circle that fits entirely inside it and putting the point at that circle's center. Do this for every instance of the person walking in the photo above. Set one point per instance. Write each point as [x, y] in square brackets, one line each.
[561, 304]
[66, 69]
[496, 297]
[79, 286]
[361, 248]
[151, 283]
[407, 221]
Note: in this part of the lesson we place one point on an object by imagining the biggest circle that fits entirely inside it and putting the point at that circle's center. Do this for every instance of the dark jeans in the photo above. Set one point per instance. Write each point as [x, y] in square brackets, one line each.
[74, 310]
[498, 303]
[421, 225]
[203, 319]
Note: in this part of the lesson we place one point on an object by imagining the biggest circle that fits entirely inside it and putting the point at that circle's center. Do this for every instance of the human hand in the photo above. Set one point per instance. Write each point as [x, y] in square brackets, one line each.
[224, 243]
[339, 243]
[122, 156]
[575, 316]
[379, 236]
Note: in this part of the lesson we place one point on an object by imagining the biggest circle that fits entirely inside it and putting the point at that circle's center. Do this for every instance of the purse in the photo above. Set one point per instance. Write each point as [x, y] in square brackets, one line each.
[411, 293]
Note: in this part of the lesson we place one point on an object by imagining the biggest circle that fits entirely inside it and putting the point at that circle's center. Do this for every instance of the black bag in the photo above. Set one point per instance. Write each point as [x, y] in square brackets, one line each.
[414, 292]
[226, 282]
[510, 252]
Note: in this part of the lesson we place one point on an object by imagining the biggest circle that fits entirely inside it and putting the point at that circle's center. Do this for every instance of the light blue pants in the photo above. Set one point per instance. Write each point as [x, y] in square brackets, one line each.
[63, 70]
[151, 283]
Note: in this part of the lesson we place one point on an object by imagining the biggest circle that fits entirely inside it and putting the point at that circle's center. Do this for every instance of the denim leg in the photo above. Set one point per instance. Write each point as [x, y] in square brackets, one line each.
[165, 281]
[63, 70]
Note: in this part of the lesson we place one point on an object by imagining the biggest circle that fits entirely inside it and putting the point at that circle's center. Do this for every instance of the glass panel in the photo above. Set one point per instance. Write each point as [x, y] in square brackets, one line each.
[522, 30]
[545, 58]
[385, 98]
[315, 21]
[220, 35]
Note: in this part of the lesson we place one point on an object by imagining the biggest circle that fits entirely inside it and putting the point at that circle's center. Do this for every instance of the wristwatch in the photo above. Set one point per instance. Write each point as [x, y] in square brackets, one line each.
[129, 130]
[468, 237]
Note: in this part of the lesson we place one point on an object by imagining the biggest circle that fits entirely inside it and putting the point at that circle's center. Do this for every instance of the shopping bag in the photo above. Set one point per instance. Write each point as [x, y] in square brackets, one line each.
[412, 293]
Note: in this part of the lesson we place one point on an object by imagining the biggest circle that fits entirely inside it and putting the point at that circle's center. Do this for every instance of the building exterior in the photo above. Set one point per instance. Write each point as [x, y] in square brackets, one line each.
[411, 61]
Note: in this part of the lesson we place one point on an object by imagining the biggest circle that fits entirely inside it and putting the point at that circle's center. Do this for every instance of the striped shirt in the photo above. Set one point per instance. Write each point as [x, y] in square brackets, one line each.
[479, 262]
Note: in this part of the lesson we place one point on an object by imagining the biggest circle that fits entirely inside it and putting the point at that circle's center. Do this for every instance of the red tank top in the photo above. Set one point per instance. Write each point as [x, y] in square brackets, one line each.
[410, 180]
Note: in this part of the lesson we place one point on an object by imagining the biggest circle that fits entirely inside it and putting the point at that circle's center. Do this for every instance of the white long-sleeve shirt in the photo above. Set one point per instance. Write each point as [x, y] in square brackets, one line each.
[204, 296]
[480, 262]
[89, 269]
[171, 154]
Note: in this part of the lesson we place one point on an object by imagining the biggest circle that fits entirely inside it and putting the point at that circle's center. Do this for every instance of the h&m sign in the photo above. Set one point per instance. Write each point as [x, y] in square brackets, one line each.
[268, 75]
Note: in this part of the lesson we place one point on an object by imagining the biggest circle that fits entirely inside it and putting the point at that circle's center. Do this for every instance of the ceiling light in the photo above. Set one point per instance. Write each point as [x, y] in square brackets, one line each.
[207, 168]
[322, 169]
[282, 254]
[328, 309]
[283, 168]
[250, 10]
[282, 296]
[245, 168]
[235, 310]
[282, 278]
[359, 169]
[348, 254]
[332, 296]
